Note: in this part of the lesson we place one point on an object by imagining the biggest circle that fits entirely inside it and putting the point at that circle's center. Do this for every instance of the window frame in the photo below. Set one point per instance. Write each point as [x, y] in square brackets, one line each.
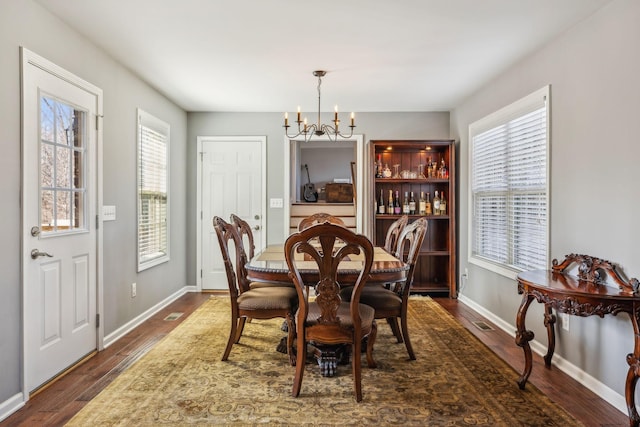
[162, 255]
[501, 117]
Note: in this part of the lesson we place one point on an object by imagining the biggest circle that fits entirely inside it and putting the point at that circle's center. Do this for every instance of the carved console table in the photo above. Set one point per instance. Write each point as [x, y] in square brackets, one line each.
[584, 294]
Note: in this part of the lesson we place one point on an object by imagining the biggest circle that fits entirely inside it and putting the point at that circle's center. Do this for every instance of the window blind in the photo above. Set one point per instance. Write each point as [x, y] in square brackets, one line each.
[153, 242]
[509, 187]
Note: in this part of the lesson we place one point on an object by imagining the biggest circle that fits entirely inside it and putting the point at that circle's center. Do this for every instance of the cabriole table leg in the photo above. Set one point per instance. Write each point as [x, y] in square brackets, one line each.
[523, 337]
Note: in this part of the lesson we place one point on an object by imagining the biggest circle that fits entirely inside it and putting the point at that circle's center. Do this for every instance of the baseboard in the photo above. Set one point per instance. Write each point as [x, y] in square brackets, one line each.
[11, 405]
[137, 321]
[615, 399]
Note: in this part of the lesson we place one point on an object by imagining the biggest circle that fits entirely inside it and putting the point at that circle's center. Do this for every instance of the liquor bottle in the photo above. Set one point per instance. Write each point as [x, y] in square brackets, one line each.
[379, 167]
[390, 203]
[412, 204]
[422, 204]
[405, 204]
[427, 206]
[397, 210]
[436, 204]
[441, 169]
[443, 205]
[381, 207]
[445, 171]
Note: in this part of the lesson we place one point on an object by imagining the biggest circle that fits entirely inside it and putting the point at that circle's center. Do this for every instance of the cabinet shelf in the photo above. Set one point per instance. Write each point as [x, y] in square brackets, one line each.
[410, 180]
[435, 269]
[394, 217]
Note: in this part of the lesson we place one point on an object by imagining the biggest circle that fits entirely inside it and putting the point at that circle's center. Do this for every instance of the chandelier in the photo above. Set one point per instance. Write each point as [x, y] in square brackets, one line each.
[318, 129]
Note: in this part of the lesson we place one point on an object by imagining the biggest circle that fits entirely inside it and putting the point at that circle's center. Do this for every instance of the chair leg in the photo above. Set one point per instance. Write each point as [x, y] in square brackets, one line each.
[405, 334]
[301, 354]
[357, 369]
[370, 341]
[232, 336]
[241, 324]
[290, 337]
[393, 323]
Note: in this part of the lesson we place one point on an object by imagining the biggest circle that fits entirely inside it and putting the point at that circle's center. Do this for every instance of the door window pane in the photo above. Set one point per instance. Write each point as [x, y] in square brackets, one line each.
[62, 167]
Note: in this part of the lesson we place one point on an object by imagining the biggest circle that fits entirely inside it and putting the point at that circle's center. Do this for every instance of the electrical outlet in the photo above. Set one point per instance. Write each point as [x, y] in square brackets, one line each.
[564, 321]
[133, 290]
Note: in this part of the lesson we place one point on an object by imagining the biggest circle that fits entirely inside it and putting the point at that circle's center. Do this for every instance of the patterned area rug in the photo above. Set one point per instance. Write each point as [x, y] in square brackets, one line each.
[455, 381]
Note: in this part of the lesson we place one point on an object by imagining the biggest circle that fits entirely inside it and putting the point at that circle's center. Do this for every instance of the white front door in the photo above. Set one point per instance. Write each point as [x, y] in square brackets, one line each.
[59, 244]
[232, 180]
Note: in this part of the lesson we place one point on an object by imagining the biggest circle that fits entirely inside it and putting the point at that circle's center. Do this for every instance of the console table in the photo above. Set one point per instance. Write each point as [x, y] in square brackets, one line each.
[583, 294]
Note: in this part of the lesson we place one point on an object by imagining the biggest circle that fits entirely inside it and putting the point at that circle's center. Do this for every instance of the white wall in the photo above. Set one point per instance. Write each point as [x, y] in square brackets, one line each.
[593, 70]
[25, 23]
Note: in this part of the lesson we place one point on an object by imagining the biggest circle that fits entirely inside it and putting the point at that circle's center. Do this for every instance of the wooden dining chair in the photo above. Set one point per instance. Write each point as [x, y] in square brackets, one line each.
[246, 236]
[247, 303]
[319, 218]
[326, 319]
[391, 304]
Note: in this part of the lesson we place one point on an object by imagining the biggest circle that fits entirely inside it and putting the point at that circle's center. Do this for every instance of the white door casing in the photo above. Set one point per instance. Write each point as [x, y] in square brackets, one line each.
[60, 195]
[231, 179]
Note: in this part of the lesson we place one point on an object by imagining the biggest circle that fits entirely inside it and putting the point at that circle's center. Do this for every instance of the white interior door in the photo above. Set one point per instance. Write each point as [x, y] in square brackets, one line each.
[59, 249]
[232, 181]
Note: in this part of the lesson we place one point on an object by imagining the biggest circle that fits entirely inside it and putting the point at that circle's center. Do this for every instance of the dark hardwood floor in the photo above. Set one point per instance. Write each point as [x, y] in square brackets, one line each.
[57, 403]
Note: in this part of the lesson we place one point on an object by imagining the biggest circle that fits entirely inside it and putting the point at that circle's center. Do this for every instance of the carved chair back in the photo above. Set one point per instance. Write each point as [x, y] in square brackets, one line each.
[227, 233]
[391, 240]
[319, 218]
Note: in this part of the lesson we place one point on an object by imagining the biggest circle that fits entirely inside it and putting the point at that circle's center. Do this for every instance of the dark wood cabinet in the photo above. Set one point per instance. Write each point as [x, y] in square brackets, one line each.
[407, 162]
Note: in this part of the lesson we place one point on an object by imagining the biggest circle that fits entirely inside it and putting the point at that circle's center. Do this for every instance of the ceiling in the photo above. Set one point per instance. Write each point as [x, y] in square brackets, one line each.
[259, 55]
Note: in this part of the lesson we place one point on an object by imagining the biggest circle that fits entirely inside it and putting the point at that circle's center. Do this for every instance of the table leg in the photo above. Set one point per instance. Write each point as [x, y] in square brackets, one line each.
[633, 359]
[523, 337]
[549, 321]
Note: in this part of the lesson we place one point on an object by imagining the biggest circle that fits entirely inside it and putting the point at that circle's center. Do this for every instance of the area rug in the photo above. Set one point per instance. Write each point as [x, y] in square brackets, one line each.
[455, 381]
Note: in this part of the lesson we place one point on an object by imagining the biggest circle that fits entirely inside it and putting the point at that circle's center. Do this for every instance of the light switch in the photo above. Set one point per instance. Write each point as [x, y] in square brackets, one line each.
[275, 203]
[108, 213]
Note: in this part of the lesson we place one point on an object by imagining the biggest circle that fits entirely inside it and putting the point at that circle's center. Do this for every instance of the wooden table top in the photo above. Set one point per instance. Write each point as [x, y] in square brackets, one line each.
[270, 265]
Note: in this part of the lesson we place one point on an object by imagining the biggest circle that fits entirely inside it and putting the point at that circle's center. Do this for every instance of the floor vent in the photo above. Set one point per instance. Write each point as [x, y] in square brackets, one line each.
[482, 325]
[173, 316]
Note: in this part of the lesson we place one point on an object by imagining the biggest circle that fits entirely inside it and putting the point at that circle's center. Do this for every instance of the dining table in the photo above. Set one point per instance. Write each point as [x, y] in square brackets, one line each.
[270, 266]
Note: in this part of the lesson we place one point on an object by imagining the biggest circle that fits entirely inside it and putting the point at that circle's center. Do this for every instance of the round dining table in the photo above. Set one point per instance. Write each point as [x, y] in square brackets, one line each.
[269, 265]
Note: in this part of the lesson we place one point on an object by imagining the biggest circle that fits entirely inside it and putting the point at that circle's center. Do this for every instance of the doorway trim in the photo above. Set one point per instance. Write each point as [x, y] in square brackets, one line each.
[29, 58]
[361, 160]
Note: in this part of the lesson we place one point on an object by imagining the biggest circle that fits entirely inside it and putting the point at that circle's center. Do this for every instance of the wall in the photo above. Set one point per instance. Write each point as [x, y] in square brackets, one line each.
[372, 125]
[25, 23]
[595, 104]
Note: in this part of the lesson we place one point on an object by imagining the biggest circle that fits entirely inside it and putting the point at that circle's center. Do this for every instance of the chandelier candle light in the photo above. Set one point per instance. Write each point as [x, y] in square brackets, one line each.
[318, 129]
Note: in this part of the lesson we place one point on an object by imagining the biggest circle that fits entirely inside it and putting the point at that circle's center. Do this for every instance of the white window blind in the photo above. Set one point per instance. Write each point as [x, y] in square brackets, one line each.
[509, 187]
[153, 197]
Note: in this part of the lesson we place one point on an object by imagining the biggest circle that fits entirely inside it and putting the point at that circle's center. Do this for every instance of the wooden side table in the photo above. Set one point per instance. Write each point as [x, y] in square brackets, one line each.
[583, 294]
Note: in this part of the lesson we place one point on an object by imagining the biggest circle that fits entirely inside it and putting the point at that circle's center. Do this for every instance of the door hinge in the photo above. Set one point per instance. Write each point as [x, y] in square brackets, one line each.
[201, 274]
[201, 215]
[97, 221]
[98, 117]
[97, 320]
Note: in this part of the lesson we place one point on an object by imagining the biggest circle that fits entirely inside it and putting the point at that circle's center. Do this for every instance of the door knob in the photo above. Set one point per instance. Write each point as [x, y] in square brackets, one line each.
[35, 254]
[256, 217]
[256, 227]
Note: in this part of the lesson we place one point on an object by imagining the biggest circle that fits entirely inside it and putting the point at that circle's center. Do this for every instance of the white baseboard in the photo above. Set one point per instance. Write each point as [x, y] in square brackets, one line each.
[11, 405]
[137, 321]
[606, 393]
